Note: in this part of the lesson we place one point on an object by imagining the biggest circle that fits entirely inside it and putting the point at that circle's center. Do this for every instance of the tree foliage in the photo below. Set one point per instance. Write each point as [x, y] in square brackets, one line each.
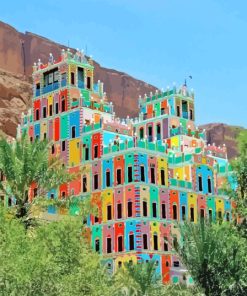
[215, 255]
[24, 163]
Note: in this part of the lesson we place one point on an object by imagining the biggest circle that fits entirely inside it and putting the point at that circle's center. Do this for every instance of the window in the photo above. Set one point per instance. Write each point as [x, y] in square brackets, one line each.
[84, 184]
[162, 176]
[152, 172]
[155, 237]
[175, 242]
[209, 185]
[165, 244]
[183, 213]
[178, 111]
[130, 174]
[154, 207]
[44, 112]
[174, 212]
[220, 215]
[2, 199]
[150, 133]
[131, 242]
[44, 136]
[96, 217]
[72, 78]
[191, 114]
[96, 151]
[80, 77]
[142, 173]
[53, 149]
[108, 178]
[145, 241]
[119, 211]
[35, 192]
[56, 108]
[73, 132]
[141, 133]
[63, 145]
[163, 211]
[108, 245]
[86, 153]
[63, 104]
[145, 208]
[1, 176]
[210, 214]
[37, 114]
[97, 245]
[88, 82]
[202, 214]
[96, 181]
[119, 176]
[200, 183]
[50, 110]
[129, 208]
[192, 218]
[120, 243]
[109, 212]
[158, 131]
[176, 263]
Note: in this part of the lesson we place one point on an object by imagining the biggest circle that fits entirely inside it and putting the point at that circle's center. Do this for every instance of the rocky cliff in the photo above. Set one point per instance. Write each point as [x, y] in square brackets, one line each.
[19, 50]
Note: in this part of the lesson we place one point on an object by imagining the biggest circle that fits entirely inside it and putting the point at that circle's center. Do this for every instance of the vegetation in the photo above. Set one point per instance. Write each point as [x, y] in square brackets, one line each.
[54, 259]
[215, 255]
[24, 164]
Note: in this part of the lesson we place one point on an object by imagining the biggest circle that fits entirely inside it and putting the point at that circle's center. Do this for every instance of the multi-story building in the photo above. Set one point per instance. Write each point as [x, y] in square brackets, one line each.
[143, 175]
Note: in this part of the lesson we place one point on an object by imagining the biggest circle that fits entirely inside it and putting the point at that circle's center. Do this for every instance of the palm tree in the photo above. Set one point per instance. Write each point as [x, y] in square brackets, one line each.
[138, 279]
[213, 254]
[23, 164]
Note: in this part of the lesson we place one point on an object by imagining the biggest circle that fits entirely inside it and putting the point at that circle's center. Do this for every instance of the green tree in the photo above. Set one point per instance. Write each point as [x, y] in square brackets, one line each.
[142, 280]
[52, 259]
[240, 176]
[215, 256]
[24, 163]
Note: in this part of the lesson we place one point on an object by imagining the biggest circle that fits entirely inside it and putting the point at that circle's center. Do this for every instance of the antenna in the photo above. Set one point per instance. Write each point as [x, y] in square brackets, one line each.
[86, 50]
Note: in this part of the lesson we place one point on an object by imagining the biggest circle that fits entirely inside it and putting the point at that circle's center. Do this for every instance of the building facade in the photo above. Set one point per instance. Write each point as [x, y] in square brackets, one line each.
[143, 175]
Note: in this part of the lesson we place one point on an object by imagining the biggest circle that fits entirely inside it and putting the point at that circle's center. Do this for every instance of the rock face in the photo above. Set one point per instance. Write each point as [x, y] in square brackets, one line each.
[15, 94]
[18, 52]
[220, 134]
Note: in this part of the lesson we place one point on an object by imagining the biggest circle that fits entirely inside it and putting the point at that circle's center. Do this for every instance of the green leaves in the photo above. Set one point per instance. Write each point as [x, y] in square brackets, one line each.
[23, 164]
[52, 259]
[215, 255]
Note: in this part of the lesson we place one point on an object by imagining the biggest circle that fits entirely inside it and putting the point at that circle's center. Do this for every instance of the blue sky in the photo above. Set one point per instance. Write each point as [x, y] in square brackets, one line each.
[158, 41]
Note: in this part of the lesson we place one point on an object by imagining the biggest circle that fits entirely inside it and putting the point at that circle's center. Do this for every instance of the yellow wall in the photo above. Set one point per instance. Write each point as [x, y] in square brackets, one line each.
[192, 202]
[74, 152]
[107, 199]
[162, 164]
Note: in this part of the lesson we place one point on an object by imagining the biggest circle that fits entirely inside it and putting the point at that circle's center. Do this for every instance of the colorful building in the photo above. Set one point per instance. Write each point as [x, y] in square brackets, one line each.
[143, 175]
